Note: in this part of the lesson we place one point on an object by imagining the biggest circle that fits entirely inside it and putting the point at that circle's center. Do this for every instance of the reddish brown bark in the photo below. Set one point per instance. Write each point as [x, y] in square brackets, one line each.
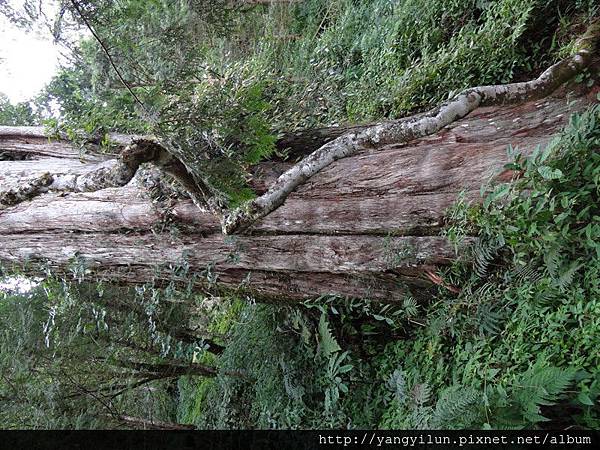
[365, 226]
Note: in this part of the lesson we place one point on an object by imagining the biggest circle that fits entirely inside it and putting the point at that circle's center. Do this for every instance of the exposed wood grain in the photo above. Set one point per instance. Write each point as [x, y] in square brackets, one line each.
[287, 253]
[331, 236]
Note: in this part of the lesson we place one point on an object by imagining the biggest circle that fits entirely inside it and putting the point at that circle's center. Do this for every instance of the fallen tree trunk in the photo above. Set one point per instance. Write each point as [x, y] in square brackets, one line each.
[365, 226]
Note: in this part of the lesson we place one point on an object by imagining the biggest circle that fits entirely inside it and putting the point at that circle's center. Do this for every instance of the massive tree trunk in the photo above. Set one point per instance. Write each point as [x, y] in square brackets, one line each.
[365, 226]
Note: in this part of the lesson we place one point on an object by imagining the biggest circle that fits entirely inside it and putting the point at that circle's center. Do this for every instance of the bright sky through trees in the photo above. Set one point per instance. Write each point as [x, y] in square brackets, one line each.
[27, 61]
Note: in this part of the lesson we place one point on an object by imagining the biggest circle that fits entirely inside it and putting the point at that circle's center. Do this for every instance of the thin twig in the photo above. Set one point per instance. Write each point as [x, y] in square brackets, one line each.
[106, 52]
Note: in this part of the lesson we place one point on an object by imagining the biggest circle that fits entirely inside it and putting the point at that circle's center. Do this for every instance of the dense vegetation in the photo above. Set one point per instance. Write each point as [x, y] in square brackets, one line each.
[516, 347]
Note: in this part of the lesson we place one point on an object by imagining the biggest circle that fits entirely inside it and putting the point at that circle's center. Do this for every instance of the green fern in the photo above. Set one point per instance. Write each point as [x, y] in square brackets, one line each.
[528, 272]
[489, 320]
[327, 342]
[420, 417]
[552, 259]
[457, 407]
[567, 275]
[484, 253]
[420, 394]
[484, 292]
[539, 386]
[397, 384]
[410, 306]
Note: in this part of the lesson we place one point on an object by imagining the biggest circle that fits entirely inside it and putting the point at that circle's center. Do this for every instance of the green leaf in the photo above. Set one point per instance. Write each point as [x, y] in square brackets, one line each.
[498, 193]
[492, 372]
[328, 344]
[549, 174]
[585, 399]
[346, 368]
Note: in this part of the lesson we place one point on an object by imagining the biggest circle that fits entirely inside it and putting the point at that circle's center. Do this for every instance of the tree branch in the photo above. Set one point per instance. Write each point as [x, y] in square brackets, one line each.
[112, 173]
[25, 189]
[408, 129]
[106, 52]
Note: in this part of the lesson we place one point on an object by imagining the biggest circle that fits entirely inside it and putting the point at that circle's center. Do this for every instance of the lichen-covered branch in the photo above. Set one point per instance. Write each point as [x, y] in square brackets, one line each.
[25, 189]
[408, 129]
[107, 174]
[112, 173]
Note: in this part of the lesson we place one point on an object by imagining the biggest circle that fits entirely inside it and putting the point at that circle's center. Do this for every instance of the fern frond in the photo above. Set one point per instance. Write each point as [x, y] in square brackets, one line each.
[420, 417]
[528, 272]
[484, 293]
[566, 277]
[552, 260]
[458, 407]
[489, 320]
[420, 394]
[547, 295]
[484, 252]
[540, 386]
[397, 384]
[327, 342]
[410, 306]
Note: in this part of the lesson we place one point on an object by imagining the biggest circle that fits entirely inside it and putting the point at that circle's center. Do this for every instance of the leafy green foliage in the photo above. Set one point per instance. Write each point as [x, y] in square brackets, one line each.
[19, 114]
[76, 355]
[328, 344]
[540, 386]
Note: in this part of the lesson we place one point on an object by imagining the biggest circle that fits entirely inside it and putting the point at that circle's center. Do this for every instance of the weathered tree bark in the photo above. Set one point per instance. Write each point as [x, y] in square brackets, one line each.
[405, 130]
[364, 226]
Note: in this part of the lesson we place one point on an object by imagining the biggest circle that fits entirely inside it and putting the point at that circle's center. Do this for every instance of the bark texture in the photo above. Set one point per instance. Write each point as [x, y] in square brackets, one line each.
[364, 226]
[408, 129]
